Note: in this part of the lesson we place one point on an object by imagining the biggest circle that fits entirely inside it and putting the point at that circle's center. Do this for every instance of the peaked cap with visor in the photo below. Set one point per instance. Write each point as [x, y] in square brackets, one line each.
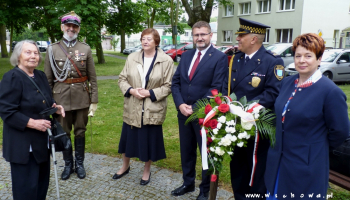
[248, 26]
[70, 18]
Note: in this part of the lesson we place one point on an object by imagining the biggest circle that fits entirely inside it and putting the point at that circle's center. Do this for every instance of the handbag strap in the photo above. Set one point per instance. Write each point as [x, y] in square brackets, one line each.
[31, 79]
[70, 59]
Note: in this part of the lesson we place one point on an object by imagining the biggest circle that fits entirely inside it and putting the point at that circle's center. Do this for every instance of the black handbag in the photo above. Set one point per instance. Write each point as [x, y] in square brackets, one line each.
[59, 136]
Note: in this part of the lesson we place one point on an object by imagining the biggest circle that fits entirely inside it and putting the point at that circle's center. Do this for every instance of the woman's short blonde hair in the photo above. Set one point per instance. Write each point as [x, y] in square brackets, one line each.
[18, 50]
[311, 42]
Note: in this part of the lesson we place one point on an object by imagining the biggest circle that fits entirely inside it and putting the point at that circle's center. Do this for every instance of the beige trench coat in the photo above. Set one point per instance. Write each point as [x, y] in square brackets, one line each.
[159, 81]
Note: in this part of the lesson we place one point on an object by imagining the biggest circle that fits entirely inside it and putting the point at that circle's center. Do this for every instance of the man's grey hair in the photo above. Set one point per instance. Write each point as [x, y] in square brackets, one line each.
[260, 37]
[18, 50]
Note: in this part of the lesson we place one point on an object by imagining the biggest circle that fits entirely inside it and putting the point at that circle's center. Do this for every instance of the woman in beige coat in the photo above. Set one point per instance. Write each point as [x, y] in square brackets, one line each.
[145, 82]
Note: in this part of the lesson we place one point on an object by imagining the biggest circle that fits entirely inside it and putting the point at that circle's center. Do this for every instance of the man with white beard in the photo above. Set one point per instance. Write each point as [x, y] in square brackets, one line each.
[69, 68]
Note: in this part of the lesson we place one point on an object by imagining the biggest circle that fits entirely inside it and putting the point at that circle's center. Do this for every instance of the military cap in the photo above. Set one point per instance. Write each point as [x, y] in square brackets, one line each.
[248, 26]
[70, 18]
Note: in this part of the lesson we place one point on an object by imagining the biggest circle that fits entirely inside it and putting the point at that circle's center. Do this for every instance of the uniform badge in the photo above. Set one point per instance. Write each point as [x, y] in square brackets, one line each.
[279, 72]
[60, 64]
[82, 63]
[77, 58]
[82, 54]
[255, 81]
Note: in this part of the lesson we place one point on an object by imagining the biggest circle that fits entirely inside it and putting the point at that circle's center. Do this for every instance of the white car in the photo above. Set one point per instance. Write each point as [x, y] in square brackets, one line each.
[42, 45]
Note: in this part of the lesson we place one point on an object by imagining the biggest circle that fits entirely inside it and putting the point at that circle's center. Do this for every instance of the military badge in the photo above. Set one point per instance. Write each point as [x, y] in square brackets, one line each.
[279, 72]
[77, 58]
[255, 81]
[82, 54]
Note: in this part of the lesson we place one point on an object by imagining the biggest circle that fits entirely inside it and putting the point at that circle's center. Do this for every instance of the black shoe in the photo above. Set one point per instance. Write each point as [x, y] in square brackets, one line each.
[79, 157]
[182, 190]
[143, 182]
[118, 176]
[203, 196]
[68, 164]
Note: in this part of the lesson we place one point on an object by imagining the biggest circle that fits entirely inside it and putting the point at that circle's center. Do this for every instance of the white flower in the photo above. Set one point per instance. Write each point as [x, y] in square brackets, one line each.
[218, 126]
[256, 115]
[219, 151]
[215, 159]
[233, 138]
[230, 123]
[215, 131]
[227, 129]
[213, 137]
[230, 152]
[225, 141]
[243, 135]
[222, 119]
[240, 144]
[246, 125]
[247, 136]
[212, 149]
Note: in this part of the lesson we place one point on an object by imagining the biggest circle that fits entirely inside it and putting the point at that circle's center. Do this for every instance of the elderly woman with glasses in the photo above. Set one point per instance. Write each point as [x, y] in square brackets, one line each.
[312, 115]
[145, 83]
[25, 140]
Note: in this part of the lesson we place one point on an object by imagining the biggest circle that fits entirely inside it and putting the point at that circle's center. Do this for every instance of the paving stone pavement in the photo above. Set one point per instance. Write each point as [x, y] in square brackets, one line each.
[99, 184]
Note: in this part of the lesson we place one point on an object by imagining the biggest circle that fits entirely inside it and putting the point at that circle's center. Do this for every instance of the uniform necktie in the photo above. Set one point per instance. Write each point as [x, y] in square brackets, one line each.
[196, 62]
[246, 60]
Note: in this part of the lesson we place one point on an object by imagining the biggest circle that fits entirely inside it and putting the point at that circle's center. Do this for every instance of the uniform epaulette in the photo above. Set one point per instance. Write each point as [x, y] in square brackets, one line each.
[273, 54]
[85, 43]
[54, 43]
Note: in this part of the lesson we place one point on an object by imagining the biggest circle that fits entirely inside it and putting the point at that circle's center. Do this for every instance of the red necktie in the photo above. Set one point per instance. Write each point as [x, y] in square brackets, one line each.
[195, 64]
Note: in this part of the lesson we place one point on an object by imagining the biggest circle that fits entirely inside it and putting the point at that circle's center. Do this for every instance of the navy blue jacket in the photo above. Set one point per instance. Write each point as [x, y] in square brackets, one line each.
[263, 64]
[316, 118]
[208, 75]
[19, 101]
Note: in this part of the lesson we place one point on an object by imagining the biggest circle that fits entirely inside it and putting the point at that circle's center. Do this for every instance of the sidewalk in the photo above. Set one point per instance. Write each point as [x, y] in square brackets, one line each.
[99, 184]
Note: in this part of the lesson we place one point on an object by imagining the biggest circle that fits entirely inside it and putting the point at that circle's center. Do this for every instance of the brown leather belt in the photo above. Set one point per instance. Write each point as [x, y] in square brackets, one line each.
[75, 80]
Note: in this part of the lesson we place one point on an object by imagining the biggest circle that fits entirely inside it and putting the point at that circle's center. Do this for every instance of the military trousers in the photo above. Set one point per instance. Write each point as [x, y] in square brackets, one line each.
[77, 119]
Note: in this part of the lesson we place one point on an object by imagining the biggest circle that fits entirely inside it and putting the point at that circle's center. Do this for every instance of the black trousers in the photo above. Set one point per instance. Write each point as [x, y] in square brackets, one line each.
[189, 138]
[30, 181]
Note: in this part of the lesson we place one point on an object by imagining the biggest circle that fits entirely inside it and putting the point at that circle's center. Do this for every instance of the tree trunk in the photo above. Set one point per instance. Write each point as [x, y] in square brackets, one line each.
[173, 36]
[99, 53]
[122, 40]
[11, 36]
[4, 53]
[197, 13]
[152, 18]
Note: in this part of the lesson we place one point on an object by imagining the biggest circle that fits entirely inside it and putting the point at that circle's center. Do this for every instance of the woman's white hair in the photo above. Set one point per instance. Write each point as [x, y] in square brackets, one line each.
[18, 50]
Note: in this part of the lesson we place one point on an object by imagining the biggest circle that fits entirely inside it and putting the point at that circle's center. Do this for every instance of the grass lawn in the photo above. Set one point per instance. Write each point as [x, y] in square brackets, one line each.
[107, 124]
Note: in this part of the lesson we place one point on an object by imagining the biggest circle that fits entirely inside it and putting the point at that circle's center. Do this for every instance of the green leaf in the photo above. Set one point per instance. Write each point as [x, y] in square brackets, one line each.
[243, 100]
[233, 96]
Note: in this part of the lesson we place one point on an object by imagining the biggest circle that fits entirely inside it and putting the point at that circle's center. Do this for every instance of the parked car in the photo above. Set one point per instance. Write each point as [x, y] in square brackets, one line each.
[222, 48]
[230, 51]
[132, 49]
[335, 65]
[284, 50]
[175, 54]
[42, 45]
[165, 48]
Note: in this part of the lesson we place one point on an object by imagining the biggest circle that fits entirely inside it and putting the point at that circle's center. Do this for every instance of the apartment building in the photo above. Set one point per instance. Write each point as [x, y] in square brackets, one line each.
[288, 19]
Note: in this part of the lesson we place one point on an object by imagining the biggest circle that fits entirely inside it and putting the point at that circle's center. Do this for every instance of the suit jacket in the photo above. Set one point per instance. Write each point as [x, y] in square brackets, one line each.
[19, 101]
[263, 66]
[72, 96]
[316, 118]
[208, 75]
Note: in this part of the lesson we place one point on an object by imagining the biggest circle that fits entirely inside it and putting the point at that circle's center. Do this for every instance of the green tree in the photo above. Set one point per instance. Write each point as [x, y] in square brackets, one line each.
[124, 17]
[114, 43]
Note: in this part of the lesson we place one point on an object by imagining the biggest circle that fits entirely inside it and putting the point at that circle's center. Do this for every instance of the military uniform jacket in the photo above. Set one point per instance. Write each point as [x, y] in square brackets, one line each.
[264, 67]
[73, 96]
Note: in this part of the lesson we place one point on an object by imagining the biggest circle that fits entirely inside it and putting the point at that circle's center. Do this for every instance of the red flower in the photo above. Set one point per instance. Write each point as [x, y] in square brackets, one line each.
[214, 92]
[207, 124]
[209, 140]
[207, 109]
[224, 108]
[218, 100]
[214, 177]
[206, 131]
[213, 123]
[200, 121]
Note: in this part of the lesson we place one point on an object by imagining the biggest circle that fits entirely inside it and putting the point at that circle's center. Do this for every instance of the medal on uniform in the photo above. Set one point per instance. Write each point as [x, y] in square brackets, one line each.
[82, 63]
[77, 58]
[255, 81]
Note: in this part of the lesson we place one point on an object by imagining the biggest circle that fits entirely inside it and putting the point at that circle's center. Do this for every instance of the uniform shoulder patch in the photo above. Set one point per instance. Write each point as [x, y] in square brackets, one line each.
[54, 43]
[273, 54]
[279, 72]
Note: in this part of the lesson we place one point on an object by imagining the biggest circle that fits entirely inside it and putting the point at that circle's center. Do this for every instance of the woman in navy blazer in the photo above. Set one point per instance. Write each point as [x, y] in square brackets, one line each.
[312, 115]
[25, 141]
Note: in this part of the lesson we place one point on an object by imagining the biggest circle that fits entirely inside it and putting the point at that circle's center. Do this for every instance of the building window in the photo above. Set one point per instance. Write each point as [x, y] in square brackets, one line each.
[164, 33]
[287, 4]
[186, 33]
[229, 10]
[245, 8]
[227, 36]
[267, 36]
[284, 35]
[264, 6]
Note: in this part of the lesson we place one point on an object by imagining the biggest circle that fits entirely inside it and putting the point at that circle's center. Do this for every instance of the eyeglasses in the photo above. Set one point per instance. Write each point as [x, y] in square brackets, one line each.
[202, 35]
[29, 53]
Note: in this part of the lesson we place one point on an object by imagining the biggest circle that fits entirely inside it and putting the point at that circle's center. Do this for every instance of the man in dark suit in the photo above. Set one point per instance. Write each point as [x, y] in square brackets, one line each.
[256, 74]
[200, 70]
